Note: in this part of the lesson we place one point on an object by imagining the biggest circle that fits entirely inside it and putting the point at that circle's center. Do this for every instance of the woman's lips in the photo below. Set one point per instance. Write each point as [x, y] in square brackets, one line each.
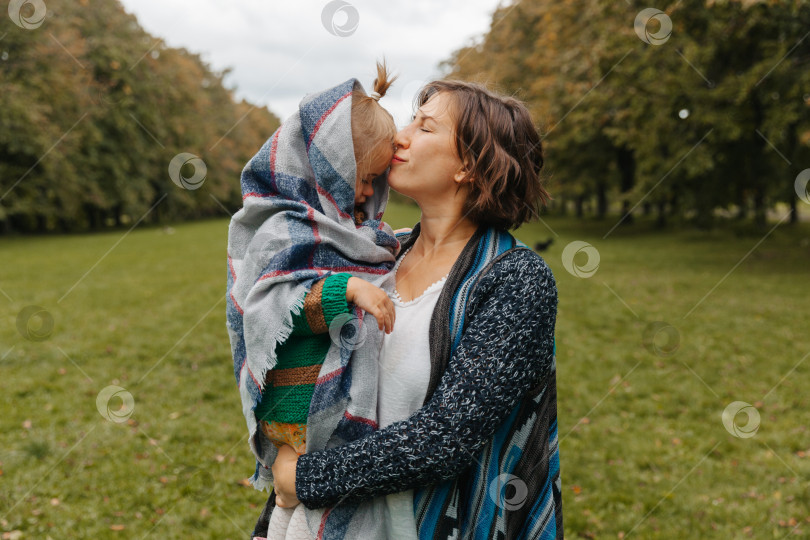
[397, 159]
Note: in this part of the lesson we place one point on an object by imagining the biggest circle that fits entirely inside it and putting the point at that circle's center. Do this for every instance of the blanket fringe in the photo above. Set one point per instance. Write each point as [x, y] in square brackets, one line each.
[259, 482]
[283, 335]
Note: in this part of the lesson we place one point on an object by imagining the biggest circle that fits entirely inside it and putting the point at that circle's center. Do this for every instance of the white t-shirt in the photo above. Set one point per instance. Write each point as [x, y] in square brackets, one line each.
[403, 382]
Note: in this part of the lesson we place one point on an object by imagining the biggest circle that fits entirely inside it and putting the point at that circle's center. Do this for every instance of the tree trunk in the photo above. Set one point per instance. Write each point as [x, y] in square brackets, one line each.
[601, 200]
[704, 218]
[661, 222]
[578, 204]
[794, 211]
[626, 161]
[742, 206]
[627, 217]
[755, 170]
[790, 148]
[760, 209]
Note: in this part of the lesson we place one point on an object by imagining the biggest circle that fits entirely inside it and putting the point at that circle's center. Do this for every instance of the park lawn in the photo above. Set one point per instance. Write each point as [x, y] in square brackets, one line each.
[644, 451]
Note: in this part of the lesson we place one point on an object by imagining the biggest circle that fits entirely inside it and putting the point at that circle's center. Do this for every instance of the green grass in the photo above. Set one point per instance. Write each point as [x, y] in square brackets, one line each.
[644, 452]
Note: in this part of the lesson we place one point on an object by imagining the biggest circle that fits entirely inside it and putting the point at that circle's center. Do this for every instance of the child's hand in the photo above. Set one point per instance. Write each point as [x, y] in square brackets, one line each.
[284, 468]
[371, 299]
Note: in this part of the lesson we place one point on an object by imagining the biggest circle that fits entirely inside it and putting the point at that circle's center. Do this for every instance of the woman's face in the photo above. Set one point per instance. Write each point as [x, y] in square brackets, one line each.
[425, 163]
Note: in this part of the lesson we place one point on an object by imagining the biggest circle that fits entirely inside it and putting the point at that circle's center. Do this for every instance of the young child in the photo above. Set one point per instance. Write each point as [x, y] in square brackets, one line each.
[291, 329]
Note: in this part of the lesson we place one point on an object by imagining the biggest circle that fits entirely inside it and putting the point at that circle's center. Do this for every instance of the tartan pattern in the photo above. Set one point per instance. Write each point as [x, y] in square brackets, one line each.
[297, 226]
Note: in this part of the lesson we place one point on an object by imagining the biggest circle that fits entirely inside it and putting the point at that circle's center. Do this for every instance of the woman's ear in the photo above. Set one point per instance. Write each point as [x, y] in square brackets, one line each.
[462, 176]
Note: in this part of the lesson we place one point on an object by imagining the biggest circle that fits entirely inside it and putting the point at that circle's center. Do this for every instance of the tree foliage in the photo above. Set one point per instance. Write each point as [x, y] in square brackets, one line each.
[95, 108]
[714, 117]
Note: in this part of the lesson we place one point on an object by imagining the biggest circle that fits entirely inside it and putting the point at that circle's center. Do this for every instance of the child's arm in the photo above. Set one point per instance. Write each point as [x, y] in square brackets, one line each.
[372, 299]
[331, 297]
[325, 300]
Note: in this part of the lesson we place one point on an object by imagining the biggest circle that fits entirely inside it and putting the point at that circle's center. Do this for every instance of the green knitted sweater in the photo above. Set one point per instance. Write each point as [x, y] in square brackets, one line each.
[289, 385]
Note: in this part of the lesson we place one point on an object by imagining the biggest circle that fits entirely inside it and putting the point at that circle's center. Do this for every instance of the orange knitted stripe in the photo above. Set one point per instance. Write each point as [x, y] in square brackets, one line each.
[313, 310]
[293, 376]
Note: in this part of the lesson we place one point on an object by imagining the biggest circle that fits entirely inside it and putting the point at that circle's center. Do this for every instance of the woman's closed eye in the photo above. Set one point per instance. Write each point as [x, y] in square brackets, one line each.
[421, 120]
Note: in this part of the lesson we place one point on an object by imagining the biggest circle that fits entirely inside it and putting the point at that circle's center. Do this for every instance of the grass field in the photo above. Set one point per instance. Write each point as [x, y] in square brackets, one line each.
[644, 450]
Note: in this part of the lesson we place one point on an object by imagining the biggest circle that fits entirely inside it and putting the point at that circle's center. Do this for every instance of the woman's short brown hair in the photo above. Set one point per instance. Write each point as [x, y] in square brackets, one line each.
[501, 150]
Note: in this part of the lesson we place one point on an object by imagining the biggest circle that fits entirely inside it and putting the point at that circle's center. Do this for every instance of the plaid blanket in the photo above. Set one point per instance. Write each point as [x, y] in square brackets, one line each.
[297, 226]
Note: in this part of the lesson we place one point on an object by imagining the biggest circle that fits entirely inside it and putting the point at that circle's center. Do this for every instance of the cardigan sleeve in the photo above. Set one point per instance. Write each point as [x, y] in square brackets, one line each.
[325, 300]
[505, 351]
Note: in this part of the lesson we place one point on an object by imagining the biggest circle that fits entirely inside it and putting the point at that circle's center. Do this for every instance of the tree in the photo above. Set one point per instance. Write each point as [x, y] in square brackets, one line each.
[94, 109]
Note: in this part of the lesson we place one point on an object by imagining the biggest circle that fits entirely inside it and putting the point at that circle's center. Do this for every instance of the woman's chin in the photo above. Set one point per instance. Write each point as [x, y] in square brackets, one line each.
[394, 182]
[398, 189]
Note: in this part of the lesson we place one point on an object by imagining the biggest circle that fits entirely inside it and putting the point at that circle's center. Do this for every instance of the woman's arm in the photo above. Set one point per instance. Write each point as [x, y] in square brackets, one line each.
[506, 350]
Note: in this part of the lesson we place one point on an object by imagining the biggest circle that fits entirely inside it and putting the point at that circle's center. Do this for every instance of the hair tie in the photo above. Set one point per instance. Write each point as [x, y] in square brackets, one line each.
[375, 96]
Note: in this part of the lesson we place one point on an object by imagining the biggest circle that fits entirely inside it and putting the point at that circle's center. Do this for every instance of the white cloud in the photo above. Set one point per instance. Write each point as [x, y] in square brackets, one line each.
[280, 51]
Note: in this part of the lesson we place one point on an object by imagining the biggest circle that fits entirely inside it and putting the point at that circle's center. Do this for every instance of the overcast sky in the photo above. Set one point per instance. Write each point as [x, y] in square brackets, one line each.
[280, 51]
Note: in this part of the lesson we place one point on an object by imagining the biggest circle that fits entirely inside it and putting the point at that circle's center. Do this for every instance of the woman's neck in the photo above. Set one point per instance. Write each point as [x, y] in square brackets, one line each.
[442, 236]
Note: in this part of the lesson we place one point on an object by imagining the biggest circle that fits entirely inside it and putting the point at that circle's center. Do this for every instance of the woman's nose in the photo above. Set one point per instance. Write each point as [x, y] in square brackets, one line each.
[401, 138]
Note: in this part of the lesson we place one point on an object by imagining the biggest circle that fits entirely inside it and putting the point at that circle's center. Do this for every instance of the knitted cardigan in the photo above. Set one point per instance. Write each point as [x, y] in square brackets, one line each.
[489, 419]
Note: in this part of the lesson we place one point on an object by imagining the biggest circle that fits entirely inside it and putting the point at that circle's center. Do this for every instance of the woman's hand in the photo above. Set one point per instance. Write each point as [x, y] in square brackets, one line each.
[371, 299]
[284, 477]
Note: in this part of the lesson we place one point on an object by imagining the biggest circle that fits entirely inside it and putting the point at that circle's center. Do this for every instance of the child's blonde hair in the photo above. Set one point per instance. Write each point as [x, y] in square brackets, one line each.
[373, 127]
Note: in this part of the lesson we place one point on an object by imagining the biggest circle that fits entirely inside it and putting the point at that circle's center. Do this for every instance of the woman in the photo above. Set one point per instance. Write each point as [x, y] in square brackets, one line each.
[481, 452]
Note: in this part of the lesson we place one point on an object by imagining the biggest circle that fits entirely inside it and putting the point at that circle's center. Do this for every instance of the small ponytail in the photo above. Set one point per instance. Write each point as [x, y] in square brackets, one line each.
[373, 127]
[384, 80]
